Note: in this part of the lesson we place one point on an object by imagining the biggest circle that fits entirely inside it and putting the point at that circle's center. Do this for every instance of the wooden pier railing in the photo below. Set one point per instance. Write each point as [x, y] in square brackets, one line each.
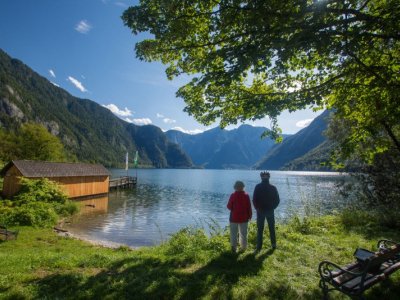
[123, 182]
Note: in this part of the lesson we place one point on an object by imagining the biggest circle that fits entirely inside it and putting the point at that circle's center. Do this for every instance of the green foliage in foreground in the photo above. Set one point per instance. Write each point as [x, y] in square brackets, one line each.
[39, 203]
[191, 265]
[252, 59]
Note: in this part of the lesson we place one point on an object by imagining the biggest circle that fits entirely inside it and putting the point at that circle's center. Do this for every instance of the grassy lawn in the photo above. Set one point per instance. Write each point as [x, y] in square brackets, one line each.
[42, 265]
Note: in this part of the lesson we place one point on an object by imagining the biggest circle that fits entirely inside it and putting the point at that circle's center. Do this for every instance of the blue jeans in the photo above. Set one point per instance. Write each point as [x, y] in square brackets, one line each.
[261, 216]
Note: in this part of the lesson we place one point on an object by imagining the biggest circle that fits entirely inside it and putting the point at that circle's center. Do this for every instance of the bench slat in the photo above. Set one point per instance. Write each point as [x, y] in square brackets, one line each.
[345, 277]
[354, 284]
[391, 269]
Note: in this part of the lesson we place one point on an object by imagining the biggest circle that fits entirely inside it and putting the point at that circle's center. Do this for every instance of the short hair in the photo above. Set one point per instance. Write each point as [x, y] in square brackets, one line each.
[265, 175]
[239, 185]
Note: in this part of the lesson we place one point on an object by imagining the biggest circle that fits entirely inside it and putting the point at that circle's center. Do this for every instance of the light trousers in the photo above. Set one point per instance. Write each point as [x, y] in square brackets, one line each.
[242, 229]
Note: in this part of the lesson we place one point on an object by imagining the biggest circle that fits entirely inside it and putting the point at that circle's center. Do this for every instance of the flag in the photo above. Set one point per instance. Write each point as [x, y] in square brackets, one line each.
[135, 161]
[126, 161]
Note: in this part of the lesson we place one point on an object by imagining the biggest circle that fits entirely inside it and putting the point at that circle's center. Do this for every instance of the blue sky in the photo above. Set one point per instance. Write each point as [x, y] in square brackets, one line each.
[83, 47]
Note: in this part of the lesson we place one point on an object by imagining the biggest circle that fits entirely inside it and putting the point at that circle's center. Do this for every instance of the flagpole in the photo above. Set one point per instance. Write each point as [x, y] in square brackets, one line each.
[126, 164]
[135, 162]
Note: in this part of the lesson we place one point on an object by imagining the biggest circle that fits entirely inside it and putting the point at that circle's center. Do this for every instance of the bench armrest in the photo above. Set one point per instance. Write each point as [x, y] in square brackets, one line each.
[386, 244]
[329, 270]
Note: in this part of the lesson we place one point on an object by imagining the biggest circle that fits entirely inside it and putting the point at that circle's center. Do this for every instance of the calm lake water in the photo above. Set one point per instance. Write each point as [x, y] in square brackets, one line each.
[167, 200]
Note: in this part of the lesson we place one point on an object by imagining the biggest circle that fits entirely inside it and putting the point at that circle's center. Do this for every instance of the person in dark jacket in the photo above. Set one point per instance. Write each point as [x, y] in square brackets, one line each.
[240, 207]
[265, 201]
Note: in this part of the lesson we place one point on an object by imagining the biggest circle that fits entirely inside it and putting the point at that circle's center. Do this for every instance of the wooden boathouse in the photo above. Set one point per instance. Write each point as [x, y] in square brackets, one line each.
[77, 179]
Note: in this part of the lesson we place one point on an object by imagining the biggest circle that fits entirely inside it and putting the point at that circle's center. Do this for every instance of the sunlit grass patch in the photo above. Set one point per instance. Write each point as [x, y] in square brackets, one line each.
[191, 265]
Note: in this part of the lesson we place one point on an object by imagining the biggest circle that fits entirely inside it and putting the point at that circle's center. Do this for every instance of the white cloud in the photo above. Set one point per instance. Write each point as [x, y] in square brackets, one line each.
[55, 84]
[83, 27]
[52, 74]
[143, 121]
[125, 115]
[169, 121]
[117, 111]
[195, 131]
[77, 84]
[165, 119]
[304, 123]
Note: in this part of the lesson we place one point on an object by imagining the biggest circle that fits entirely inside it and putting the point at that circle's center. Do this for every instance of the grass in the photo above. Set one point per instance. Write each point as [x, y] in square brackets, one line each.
[42, 265]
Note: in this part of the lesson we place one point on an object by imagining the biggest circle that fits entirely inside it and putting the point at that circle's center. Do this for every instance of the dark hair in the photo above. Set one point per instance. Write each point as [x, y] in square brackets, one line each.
[265, 175]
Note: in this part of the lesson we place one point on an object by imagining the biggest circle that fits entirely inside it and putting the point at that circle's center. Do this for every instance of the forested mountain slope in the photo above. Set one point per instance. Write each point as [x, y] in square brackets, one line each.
[298, 145]
[87, 130]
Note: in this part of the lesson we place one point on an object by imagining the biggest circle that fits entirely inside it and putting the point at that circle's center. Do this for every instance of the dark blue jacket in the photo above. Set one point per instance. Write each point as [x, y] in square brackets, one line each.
[265, 196]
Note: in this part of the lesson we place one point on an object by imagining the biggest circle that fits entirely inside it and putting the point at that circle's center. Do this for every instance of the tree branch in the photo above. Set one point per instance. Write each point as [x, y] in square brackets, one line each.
[368, 68]
[301, 91]
[391, 135]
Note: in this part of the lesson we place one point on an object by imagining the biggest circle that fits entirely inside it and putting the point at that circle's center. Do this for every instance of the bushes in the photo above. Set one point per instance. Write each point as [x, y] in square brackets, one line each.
[193, 245]
[39, 203]
[32, 214]
[42, 190]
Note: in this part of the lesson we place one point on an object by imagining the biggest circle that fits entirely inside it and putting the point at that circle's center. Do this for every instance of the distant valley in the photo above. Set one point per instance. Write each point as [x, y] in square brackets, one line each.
[239, 148]
[243, 148]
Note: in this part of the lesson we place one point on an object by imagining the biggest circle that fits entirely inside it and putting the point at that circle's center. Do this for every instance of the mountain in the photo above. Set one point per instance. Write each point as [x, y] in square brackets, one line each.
[298, 145]
[313, 160]
[222, 149]
[87, 130]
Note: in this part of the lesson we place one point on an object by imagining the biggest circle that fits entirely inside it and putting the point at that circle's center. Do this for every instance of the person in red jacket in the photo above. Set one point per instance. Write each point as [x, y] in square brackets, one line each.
[240, 207]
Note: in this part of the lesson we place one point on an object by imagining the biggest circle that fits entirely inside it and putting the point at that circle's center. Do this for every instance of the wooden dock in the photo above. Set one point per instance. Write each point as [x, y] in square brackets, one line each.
[123, 182]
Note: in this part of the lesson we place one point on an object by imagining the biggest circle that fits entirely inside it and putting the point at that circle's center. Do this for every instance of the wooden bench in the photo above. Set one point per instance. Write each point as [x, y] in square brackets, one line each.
[368, 269]
[8, 234]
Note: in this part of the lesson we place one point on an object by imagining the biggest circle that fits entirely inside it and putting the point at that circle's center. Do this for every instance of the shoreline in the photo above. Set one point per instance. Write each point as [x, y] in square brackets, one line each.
[106, 244]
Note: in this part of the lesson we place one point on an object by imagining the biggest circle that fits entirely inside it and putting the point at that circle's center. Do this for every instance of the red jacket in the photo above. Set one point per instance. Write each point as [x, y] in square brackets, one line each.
[240, 207]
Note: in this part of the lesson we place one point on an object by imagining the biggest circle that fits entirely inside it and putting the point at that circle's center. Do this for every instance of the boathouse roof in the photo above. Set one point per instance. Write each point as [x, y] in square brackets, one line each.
[32, 169]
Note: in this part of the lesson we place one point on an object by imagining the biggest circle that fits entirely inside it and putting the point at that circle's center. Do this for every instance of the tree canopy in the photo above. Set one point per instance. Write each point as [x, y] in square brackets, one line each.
[33, 142]
[251, 59]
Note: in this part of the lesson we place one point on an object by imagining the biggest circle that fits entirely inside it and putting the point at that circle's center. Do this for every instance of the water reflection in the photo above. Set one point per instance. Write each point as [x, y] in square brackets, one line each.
[96, 205]
[165, 201]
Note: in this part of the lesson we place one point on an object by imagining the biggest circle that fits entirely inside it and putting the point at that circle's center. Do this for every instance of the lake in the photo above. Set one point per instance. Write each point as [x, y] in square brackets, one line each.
[166, 200]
